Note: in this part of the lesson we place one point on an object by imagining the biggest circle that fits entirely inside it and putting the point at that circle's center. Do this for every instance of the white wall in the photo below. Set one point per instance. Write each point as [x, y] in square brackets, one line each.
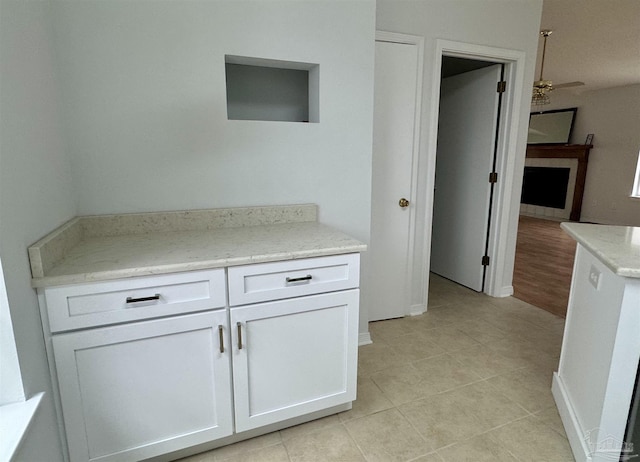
[497, 23]
[145, 104]
[36, 193]
[612, 115]
[144, 87]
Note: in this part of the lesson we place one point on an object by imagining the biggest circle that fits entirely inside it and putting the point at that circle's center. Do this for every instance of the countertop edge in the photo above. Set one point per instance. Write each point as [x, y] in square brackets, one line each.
[125, 273]
[597, 251]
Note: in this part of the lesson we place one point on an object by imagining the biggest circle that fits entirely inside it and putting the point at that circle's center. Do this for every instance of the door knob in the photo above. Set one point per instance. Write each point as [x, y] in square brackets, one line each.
[403, 203]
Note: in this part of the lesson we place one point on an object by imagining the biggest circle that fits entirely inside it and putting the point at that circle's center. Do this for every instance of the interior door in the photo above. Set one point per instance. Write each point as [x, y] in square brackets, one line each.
[466, 147]
[396, 80]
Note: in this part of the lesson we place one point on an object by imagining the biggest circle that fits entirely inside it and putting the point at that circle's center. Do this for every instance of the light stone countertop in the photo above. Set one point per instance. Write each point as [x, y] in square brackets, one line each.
[618, 247]
[103, 257]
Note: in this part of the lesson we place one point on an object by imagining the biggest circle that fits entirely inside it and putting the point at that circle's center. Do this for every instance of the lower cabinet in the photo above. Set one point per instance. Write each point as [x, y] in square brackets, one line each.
[138, 382]
[293, 357]
[135, 391]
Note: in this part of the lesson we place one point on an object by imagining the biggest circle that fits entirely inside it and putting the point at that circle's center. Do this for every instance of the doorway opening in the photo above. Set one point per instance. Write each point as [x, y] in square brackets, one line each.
[502, 233]
[469, 122]
[415, 177]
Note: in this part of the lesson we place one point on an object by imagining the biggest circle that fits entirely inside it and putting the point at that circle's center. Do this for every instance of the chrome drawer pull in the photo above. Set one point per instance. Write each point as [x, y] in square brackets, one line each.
[239, 324]
[306, 278]
[221, 338]
[143, 299]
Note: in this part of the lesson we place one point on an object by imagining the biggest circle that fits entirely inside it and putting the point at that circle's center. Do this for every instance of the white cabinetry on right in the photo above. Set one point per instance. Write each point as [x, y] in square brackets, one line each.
[600, 351]
[297, 355]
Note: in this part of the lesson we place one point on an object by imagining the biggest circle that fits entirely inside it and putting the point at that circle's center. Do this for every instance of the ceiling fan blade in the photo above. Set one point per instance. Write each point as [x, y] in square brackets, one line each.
[569, 84]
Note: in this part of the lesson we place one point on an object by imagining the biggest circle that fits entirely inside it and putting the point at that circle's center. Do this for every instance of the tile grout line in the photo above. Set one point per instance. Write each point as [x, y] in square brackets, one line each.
[364, 456]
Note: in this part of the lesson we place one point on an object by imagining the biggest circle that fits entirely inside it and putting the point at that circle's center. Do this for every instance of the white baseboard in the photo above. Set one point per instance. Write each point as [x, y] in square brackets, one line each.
[418, 309]
[506, 291]
[573, 429]
[364, 338]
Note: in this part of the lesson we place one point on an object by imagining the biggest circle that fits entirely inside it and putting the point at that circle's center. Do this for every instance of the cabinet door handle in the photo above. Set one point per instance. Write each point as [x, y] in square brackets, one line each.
[221, 338]
[308, 277]
[143, 299]
[239, 324]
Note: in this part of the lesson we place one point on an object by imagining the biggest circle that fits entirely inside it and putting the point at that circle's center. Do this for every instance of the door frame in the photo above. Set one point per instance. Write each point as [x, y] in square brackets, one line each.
[418, 41]
[514, 61]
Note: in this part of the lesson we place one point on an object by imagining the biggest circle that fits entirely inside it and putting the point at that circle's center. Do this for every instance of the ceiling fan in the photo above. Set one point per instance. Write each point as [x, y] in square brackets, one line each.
[542, 87]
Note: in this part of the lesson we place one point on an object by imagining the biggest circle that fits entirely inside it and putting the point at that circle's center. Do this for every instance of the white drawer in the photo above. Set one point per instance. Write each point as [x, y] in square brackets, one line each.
[86, 305]
[292, 278]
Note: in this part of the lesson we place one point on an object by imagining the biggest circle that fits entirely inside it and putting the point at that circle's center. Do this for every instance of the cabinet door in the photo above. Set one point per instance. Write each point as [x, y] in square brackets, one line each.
[293, 357]
[135, 391]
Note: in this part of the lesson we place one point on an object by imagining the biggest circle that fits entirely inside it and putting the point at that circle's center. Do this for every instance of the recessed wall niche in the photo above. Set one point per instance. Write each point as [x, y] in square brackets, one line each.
[271, 90]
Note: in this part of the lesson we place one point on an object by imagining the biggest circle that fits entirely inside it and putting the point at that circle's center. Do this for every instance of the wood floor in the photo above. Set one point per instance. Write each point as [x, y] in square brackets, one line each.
[543, 265]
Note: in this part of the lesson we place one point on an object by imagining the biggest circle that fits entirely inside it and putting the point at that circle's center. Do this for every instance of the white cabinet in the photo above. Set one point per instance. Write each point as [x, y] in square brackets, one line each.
[139, 390]
[138, 376]
[594, 385]
[293, 357]
[298, 355]
[151, 365]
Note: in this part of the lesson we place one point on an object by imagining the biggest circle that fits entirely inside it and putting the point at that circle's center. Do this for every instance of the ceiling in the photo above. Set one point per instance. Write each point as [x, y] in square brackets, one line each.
[594, 41]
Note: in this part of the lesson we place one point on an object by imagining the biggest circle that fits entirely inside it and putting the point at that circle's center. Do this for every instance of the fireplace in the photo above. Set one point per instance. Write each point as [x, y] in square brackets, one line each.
[548, 187]
[545, 186]
[554, 179]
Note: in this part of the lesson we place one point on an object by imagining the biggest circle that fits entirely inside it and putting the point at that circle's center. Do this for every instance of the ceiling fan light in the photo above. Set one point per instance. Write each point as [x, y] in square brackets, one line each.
[544, 85]
[539, 97]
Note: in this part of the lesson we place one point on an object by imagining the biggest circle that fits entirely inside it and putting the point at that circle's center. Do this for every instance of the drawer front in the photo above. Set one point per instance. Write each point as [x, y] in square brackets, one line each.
[86, 305]
[292, 278]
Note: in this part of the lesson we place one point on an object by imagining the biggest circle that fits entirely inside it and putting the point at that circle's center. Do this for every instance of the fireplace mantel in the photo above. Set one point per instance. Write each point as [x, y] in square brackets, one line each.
[567, 151]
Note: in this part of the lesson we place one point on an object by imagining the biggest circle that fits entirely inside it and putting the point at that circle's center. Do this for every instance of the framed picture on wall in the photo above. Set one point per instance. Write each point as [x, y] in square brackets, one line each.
[551, 127]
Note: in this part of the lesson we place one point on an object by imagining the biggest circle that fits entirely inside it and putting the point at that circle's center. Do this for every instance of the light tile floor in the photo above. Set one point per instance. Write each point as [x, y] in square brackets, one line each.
[470, 380]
